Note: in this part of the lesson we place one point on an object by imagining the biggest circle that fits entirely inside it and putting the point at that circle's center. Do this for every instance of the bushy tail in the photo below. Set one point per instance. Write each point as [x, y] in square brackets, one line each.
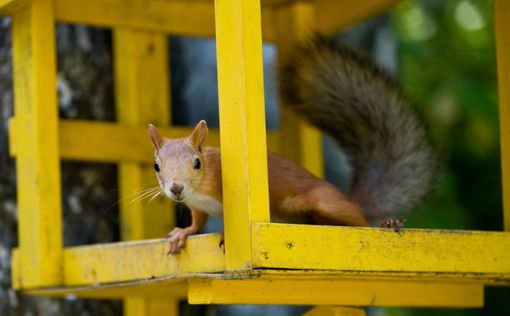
[347, 95]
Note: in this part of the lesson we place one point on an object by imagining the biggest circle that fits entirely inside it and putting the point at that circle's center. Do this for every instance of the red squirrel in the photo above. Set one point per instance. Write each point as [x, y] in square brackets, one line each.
[347, 95]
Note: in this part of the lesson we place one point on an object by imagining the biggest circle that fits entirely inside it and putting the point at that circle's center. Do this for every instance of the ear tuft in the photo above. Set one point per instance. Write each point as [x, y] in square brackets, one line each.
[197, 138]
[156, 138]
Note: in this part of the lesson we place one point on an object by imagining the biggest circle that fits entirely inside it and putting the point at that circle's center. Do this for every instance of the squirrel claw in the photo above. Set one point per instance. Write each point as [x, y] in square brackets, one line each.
[177, 239]
[397, 224]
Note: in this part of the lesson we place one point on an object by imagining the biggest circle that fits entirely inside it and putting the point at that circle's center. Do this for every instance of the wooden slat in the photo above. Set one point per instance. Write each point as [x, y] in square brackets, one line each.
[142, 96]
[141, 91]
[110, 142]
[10, 7]
[334, 292]
[168, 289]
[502, 25]
[121, 262]
[333, 16]
[348, 290]
[37, 162]
[303, 143]
[128, 261]
[180, 17]
[372, 249]
[242, 126]
[335, 311]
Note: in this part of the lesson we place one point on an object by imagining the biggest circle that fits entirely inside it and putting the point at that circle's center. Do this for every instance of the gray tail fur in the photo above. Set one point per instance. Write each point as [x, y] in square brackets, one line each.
[347, 95]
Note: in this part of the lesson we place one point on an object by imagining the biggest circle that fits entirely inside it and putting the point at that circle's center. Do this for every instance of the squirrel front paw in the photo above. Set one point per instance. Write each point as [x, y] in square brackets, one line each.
[177, 239]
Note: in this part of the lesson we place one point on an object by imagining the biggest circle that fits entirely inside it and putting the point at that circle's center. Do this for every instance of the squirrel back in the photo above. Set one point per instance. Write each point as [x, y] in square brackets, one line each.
[347, 95]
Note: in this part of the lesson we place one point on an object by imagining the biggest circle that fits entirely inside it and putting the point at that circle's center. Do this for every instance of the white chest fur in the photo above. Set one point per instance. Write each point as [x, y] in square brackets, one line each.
[205, 204]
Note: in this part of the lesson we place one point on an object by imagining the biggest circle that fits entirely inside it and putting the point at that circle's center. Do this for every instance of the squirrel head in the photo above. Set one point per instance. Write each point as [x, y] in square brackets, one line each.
[178, 162]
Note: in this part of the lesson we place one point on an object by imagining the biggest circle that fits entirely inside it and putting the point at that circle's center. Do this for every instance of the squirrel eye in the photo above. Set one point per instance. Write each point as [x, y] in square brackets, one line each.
[156, 166]
[196, 165]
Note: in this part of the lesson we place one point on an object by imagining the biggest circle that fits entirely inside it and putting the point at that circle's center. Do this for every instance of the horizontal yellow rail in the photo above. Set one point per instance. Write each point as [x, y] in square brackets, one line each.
[330, 18]
[183, 18]
[112, 142]
[136, 260]
[9, 7]
[372, 249]
[162, 288]
[196, 18]
[281, 287]
[268, 290]
[312, 252]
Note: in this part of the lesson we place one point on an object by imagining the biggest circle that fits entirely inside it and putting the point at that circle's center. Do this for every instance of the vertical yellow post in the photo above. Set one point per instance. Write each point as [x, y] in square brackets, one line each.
[242, 125]
[301, 142]
[37, 163]
[141, 90]
[502, 25]
[335, 311]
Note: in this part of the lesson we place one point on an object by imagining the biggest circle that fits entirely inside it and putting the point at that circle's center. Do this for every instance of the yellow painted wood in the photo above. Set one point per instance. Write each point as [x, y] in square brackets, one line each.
[37, 161]
[334, 292]
[85, 140]
[132, 277]
[162, 288]
[15, 269]
[388, 276]
[301, 143]
[502, 25]
[333, 16]
[91, 268]
[142, 96]
[373, 249]
[10, 7]
[140, 306]
[242, 126]
[181, 17]
[135, 260]
[335, 311]
[141, 91]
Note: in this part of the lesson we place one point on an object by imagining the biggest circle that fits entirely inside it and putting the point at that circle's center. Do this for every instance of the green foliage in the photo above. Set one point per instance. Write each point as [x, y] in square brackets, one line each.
[447, 55]
[448, 66]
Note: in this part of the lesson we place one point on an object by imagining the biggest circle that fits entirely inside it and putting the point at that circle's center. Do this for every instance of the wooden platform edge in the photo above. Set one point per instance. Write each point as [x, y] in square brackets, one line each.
[286, 246]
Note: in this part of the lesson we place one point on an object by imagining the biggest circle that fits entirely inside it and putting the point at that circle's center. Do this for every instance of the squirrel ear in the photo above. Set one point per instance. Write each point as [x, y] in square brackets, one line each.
[156, 138]
[197, 138]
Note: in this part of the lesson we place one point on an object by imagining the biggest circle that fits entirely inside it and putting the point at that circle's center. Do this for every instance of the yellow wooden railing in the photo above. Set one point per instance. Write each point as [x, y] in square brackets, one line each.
[263, 263]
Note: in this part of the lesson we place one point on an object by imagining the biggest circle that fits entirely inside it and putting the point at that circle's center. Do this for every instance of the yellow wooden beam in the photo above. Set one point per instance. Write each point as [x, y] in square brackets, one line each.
[111, 142]
[127, 261]
[142, 97]
[243, 128]
[37, 162]
[169, 289]
[301, 142]
[141, 91]
[287, 289]
[151, 306]
[178, 17]
[132, 261]
[373, 249]
[334, 292]
[333, 16]
[10, 7]
[335, 311]
[502, 25]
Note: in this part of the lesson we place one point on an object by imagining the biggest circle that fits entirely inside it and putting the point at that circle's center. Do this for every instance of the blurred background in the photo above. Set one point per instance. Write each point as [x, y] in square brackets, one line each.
[441, 51]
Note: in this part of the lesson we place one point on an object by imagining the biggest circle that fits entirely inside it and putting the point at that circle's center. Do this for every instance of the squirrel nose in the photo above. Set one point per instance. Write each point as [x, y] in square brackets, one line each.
[176, 188]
